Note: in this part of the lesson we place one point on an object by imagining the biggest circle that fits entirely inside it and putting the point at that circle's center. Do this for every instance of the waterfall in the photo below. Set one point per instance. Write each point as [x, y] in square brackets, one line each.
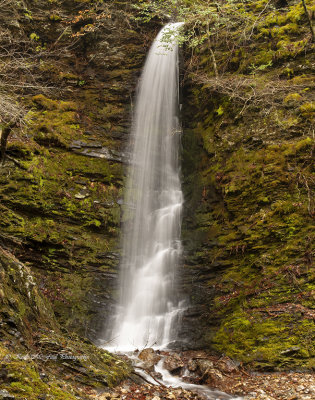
[149, 310]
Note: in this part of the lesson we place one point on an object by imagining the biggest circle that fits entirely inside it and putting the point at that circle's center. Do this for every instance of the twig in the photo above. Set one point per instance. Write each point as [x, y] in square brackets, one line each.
[309, 20]
[215, 68]
[308, 196]
[16, 162]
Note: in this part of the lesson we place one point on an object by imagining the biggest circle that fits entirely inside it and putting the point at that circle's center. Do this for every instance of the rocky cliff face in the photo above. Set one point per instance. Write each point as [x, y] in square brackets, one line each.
[61, 195]
[248, 147]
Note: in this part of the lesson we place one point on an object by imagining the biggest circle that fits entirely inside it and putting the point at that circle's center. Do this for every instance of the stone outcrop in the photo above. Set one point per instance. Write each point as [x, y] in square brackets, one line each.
[36, 353]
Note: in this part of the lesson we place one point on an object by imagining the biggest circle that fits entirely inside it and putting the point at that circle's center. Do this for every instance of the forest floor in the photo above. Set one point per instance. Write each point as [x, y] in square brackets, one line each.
[219, 375]
[275, 386]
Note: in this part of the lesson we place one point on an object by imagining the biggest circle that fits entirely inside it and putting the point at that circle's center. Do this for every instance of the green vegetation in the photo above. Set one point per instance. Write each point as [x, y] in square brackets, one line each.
[56, 202]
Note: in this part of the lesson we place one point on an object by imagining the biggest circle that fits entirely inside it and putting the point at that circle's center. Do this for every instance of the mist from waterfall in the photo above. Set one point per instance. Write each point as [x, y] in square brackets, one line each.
[149, 309]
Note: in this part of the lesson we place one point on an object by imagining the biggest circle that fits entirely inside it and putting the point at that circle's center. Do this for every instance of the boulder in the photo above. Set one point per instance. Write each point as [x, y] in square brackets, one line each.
[207, 372]
[227, 365]
[5, 395]
[173, 363]
[150, 358]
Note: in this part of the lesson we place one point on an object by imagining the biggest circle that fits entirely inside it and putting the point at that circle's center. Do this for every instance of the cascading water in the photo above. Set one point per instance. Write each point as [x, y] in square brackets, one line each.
[148, 307]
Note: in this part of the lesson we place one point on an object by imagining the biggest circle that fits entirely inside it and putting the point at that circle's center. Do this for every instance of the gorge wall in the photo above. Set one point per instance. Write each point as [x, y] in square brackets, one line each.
[248, 181]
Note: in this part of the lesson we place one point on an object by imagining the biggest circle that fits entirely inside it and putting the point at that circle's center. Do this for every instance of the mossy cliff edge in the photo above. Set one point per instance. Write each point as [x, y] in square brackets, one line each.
[38, 359]
[248, 181]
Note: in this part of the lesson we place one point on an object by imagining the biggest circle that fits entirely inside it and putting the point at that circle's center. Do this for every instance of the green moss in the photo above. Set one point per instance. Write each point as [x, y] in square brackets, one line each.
[308, 110]
[49, 351]
[20, 150]
[45, 103]
[289, 48]
[246, 182]
[253, 338]
[292, 98]
[55, 17]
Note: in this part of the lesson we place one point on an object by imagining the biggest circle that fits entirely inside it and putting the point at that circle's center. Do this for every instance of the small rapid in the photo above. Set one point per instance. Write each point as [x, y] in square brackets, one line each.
[160, 375]
[175, 382]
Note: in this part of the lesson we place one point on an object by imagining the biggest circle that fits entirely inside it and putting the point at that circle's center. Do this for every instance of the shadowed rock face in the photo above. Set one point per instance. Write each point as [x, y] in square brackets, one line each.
[247, 224]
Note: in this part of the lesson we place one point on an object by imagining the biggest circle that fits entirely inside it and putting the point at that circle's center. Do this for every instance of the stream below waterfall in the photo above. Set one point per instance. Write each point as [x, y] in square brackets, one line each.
[173, 381]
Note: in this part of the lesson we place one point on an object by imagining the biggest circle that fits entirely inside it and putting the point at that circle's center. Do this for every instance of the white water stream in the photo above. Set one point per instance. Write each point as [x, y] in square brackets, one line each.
[149, 310]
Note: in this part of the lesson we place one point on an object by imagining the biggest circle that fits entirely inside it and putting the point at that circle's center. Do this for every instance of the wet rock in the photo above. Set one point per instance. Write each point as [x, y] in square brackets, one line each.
[204, 365]
[206, 370]
[291, 350]
[192, 365]
[157, 375]
[96, 150]
[94, 145]
[76, 144]
[173, 363]
[5, 395]
[108, 255]
[178, 345]
[83, 194]
[3, 373]
[149, 357]
[227, 365]
[79, 182]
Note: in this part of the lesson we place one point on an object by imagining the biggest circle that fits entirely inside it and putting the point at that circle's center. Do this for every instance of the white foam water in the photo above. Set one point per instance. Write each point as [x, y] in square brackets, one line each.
[149, 310]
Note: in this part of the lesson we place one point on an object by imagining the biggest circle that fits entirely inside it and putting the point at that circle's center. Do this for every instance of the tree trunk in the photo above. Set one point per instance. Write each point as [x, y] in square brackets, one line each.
[4, 139]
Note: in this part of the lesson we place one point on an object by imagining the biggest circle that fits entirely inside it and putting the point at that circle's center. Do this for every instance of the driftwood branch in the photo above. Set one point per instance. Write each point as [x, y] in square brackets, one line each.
[147, 372]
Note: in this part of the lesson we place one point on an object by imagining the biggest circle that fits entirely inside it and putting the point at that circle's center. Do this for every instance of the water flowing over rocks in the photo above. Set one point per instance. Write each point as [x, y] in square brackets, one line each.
[222, 375]
[150, 358]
